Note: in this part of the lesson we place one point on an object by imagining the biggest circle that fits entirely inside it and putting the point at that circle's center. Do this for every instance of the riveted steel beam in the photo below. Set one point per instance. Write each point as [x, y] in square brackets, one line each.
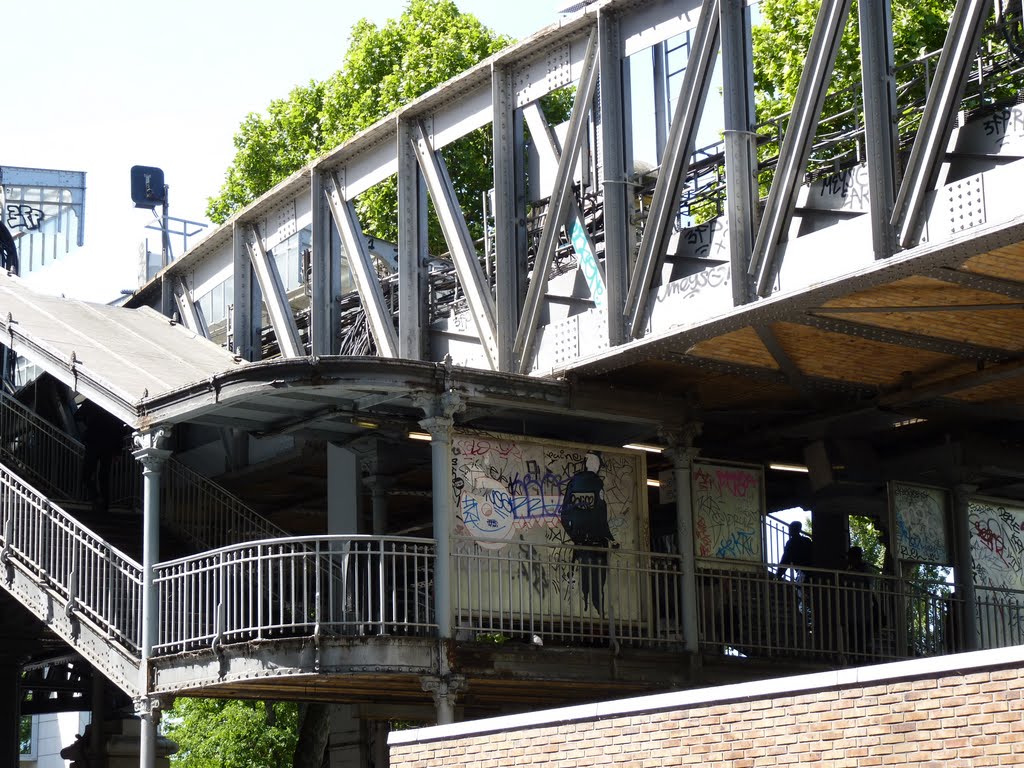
[796, 146]
[693, 93]
[794, 375]
[364, 275]
[904, 338]
[244, 315]
[509, 213]
[740, 141]
[412, 250]
[878, 86]
[460, 244]
[274, 296]
[325, 277]
[1011, 288]
[940, 113]
[190, 316]
[614, 129]
[558, 207]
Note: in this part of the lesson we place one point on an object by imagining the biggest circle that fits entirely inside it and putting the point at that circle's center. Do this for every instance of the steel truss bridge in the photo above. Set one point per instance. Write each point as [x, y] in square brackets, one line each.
[839, 288]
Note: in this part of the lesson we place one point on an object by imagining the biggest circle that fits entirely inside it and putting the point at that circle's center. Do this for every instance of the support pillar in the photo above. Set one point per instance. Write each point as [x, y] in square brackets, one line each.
[10, 711]
[968, 607]
[444, 690]
[150, 451]
[344, 488]
[378, 485]
[682, 452]
[438, 423]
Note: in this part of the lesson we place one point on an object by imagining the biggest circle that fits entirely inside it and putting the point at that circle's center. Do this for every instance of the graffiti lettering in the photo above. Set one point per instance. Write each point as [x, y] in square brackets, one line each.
[21, 216]
[710, 278]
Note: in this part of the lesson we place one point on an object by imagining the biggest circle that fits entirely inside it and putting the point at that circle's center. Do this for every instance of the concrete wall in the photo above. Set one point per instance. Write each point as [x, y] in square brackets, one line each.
[52, 733]
[962, 710]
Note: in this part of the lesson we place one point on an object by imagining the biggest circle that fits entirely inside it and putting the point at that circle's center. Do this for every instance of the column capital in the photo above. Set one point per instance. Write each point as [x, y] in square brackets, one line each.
[443, 405]
[147, 706]
[681, 439]
[150, 446]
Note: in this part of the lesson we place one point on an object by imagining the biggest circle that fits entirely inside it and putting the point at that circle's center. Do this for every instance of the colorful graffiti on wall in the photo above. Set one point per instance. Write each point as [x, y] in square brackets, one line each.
[527, 506]
[997, 559]
[728, 507]
[921, 516]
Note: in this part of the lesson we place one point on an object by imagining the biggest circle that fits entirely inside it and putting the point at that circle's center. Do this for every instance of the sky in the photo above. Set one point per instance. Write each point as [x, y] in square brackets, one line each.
[104, 85]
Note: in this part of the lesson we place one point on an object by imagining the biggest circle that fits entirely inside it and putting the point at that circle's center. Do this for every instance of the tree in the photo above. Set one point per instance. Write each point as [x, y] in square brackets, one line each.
[384, 68]
[221, 733]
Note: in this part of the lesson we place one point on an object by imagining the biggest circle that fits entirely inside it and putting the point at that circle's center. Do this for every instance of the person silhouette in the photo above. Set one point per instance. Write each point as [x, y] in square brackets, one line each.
[584, 516]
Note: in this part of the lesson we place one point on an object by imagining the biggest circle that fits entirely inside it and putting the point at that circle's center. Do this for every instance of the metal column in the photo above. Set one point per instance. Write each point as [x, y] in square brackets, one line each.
[968, 606]
[413, 294]
[325, 277]
[151, 453]
[683, 453]
[740, 142]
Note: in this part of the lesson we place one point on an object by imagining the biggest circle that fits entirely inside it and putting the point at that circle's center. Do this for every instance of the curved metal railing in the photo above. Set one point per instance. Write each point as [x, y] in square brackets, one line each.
[301, 586]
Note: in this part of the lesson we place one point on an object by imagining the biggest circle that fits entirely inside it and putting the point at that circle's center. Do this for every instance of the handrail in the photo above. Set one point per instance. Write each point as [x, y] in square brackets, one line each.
[49, 455]
[208, 514]
[296, 587]
[97, 582]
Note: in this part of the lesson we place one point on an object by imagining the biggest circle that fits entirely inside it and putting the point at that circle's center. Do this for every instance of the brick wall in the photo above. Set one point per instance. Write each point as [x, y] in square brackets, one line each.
[963, 710]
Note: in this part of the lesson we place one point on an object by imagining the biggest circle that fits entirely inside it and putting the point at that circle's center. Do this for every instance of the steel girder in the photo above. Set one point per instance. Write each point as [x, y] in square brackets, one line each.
[682, 135]
[363, 273]
[940, 112]
[740, 141]
[558, 207]
[460, 243]
[325, 277]
[796, 146]
[281, 316]
[412, 249]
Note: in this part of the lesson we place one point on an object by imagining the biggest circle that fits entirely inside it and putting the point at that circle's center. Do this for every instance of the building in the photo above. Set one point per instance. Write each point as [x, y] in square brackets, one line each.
[404, 482]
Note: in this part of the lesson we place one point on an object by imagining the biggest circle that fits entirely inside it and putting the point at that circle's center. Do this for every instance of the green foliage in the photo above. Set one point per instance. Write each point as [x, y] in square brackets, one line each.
[222, 733]
[383, 69]
[25, 734]
[865, 535]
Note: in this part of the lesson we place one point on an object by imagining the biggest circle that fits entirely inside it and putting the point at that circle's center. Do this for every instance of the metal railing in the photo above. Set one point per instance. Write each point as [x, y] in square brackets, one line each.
[96, 582]
[561, 594]
[1001, 617]
[294, 587]
[209, 515]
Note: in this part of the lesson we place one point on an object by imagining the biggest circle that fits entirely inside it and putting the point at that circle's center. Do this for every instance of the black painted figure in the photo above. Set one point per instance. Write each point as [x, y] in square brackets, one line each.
[798, 554]
[102, 437]
[584, 516]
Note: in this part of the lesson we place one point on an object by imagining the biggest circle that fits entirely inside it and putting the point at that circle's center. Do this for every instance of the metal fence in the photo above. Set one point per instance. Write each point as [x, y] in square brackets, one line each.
[336, 585]
[96, 582]
[550, 593]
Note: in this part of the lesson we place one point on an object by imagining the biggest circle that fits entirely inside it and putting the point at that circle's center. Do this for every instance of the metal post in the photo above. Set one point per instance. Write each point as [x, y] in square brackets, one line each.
[968, 616]
[152, 455]
[439, 423]
[683, 453]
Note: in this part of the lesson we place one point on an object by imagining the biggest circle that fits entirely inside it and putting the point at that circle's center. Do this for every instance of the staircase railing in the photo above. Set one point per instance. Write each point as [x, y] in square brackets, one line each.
[209, 515]
[202, 511]
[94, 581]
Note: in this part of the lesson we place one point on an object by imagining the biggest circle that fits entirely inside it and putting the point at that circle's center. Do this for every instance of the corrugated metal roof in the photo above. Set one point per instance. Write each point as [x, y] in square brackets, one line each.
[113, 355]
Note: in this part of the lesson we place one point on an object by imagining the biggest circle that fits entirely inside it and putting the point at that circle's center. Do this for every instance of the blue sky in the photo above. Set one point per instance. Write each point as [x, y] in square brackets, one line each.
[102, 86]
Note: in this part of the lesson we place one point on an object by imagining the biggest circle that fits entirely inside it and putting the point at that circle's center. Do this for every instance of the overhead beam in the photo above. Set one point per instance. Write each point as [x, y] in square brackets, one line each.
[460, 243]
[1011, 288]
[798, 141]
[940, 113]
[360, 262]
[274, 296]
[681, 139]
[904, 338]
[792, 371]
[910, 308]
[558, 208]
[988, 375]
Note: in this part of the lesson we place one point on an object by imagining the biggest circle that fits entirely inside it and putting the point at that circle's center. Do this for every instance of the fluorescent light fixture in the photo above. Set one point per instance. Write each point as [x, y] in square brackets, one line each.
[650, 448]
[366, 423]
[778, 467]
[907, 422]
[653, 483]
[419, 436]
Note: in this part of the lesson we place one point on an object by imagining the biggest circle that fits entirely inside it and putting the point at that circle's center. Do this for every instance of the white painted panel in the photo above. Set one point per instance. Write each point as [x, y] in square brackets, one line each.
[369, 167]
[654, 22]
[472, 111]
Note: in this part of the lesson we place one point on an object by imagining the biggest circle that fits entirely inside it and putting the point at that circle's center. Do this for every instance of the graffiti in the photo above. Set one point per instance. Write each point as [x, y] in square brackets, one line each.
[511, 499]
[588, 263]
[846, 189]
[706, 239]
[921, 524]
[1005, 122]
[687, 287]
[997, 545]
[727, 511]
[21, 216]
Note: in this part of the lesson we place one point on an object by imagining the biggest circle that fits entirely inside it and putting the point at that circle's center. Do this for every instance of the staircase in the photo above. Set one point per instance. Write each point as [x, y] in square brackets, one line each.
[71, 566]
